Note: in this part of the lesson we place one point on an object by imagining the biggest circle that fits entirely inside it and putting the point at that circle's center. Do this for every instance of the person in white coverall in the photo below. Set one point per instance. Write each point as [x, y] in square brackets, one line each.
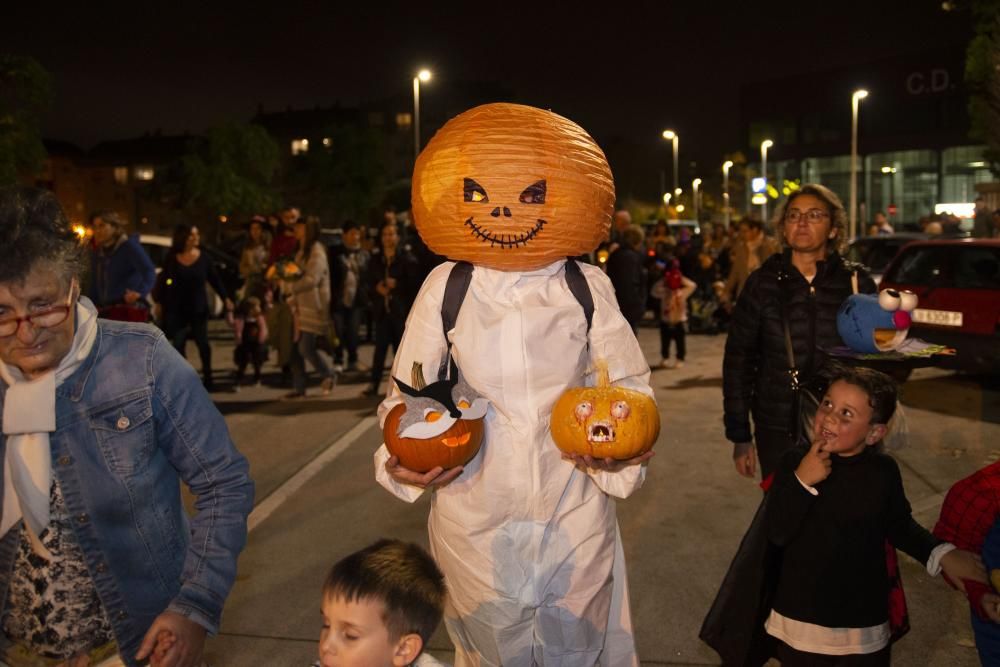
[528, 541]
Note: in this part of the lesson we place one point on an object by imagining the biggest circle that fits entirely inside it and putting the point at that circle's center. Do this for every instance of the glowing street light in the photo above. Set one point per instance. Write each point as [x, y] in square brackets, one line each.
[853, 211]
[764, 145]
[666, 198]
[425, 76]
[726, 166]
[695, 184]
[670, 135]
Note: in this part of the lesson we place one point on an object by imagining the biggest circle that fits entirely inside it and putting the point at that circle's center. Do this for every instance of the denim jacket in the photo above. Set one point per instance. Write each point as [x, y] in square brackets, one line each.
[131, 423]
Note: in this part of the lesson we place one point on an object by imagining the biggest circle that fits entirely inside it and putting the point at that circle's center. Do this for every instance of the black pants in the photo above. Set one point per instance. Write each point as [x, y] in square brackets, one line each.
[387, 331]
[249, 353]
[672, 332]
[196, 328]
[790, 657]
[347, 321]
[771, 445]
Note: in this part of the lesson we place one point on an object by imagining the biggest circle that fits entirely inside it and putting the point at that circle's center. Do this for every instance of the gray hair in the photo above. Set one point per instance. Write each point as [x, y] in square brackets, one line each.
[33, 228]
[838, 215]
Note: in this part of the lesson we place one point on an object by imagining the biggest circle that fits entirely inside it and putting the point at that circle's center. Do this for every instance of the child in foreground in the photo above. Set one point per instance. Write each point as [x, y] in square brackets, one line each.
[832, 509]
[380, 607]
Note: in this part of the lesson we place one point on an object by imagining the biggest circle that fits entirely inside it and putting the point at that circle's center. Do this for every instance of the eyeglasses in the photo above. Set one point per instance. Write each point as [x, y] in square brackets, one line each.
[43, 319]
[812, 216]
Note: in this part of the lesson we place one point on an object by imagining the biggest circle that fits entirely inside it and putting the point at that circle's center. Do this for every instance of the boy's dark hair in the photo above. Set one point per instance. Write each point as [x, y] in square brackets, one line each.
[348, 226]
[400, 575]
[882, 390]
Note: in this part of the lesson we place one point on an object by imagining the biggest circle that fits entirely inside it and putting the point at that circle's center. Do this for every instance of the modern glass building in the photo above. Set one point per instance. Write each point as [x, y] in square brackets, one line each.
[914, 152]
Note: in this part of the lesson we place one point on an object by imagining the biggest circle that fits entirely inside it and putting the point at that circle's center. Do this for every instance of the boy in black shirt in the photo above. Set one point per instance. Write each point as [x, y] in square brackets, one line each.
[832, 510]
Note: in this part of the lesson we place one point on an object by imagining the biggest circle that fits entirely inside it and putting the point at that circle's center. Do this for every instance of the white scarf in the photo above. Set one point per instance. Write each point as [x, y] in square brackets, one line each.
[29, 415]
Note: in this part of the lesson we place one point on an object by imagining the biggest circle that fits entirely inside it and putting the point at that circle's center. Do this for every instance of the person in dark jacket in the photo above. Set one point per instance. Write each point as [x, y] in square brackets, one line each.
[121, 273]
[181, 292]
[805, 286]
[393, 281]
[627, 273]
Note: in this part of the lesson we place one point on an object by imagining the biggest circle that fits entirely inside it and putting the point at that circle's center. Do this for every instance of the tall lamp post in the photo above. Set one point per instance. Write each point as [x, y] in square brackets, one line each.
[726, 166]
[695, 184]
[891, 173]
[425, 76]
[764, 145]
[853, 212]
[670, 135]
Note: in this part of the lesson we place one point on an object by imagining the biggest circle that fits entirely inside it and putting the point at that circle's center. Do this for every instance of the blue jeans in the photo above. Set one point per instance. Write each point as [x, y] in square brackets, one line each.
[304, 351]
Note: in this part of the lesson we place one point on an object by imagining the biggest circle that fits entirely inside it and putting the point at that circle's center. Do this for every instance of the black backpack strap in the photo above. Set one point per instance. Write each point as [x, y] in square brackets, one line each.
[454, 294]
[581, 290]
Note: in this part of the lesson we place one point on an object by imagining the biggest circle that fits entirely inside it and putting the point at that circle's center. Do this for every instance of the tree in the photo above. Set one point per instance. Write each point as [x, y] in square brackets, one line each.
[342, 177]
[231, 170]
[982, 74]
[25, 95]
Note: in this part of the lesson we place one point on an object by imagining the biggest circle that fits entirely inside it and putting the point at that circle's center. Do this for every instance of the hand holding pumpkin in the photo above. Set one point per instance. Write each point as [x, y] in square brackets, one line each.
[434, 477]
[609, 464]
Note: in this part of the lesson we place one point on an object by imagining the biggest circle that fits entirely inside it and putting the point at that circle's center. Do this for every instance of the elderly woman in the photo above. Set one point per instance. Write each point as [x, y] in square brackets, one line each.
[101, 421]
[786, 313]
[121, 273]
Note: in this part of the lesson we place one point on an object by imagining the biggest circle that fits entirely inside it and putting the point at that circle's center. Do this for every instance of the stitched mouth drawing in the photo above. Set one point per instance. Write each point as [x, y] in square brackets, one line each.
[504, 240]
[473, 192]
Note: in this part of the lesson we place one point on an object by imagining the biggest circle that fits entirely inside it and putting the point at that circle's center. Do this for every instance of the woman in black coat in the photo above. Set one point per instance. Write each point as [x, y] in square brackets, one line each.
[393, 280]
[805, 284]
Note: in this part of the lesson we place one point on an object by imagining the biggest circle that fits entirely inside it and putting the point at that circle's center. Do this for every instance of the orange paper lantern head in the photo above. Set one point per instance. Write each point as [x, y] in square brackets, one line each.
[512, 187]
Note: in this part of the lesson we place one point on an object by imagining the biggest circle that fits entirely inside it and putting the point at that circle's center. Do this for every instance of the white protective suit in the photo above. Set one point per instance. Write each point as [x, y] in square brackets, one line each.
[528, 543]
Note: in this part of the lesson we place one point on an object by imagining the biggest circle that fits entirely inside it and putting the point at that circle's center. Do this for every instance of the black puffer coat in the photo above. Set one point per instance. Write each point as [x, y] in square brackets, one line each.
[755, 375]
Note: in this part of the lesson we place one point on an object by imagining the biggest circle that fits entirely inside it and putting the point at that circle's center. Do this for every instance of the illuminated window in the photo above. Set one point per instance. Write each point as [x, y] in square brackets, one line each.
[327, 142]
[143, 172]
[121, 175]
[404, 119]
[300, 146]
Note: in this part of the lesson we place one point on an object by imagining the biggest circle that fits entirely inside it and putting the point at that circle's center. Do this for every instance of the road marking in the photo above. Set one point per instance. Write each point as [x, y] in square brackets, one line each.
[278, 497]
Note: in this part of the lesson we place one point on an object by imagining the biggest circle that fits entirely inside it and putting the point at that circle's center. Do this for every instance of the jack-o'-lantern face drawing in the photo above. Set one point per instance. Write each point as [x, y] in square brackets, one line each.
[512, 187]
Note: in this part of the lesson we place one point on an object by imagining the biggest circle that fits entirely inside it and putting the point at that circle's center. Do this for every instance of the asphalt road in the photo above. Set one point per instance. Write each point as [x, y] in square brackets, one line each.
[317, 501]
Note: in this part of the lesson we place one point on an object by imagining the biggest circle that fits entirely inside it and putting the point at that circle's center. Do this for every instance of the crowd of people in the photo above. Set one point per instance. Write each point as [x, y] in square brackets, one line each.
[105, 567]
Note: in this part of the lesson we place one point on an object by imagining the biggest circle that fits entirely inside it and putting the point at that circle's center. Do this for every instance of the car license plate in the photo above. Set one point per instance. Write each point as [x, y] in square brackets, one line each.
[946, 318]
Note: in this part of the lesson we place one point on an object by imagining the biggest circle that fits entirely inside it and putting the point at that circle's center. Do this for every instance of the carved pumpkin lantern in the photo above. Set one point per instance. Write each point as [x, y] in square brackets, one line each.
[440, 424]
[605, 421]
[512, 187]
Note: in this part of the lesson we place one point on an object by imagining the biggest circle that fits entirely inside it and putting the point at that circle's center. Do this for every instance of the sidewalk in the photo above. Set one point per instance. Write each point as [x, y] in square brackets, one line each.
[680, 531]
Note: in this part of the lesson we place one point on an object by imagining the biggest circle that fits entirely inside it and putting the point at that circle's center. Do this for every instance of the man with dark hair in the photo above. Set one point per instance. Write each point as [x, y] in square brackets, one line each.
[981, 221]
[350, 298]
[121, 273]
[748, 254]
[101, 422]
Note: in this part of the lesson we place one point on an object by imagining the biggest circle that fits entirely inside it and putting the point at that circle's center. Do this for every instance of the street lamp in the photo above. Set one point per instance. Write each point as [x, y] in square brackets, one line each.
[726, 166]
[891, 173]
[666, 199]
[853, 212]
[764, 145]
[425, 76]
[694, 187]
[672, 136]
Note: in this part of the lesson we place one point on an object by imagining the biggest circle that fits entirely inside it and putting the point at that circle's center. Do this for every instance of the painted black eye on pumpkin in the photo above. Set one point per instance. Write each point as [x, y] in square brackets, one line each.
[473, 191]
[534, 193]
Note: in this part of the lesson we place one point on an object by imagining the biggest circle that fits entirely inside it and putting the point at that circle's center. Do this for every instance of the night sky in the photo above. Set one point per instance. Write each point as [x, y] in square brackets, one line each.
[624, 72]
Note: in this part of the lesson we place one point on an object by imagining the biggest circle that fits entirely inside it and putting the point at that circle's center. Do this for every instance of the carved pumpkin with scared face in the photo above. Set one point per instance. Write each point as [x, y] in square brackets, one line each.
[605, 421]
[512, 187]
[440, 424]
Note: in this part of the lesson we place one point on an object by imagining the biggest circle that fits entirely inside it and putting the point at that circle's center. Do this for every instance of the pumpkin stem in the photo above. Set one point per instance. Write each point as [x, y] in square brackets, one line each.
[417, 376]
[603, 379]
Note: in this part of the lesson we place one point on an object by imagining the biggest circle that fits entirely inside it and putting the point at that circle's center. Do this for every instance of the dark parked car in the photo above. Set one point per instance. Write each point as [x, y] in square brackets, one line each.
[875, 252]
[957, 283]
